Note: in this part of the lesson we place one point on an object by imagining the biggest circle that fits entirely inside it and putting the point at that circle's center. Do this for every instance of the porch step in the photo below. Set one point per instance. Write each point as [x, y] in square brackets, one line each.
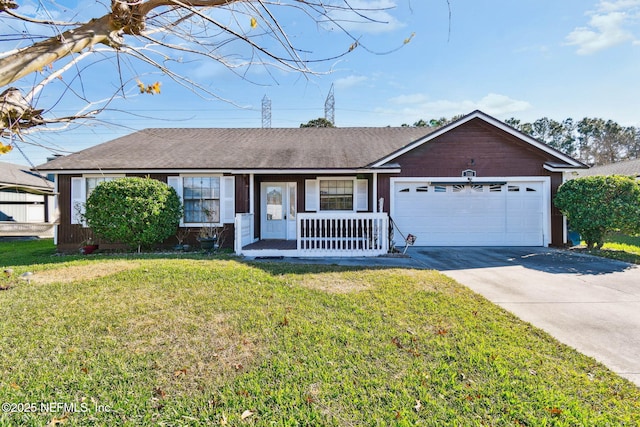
[269, 244]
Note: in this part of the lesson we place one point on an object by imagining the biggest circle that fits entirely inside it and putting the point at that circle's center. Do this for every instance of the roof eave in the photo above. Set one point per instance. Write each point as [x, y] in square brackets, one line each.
[563, 168]
[245, 171]
[44, 191]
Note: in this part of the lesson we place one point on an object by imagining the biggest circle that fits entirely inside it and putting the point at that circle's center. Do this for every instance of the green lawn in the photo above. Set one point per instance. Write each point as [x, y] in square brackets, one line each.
[106, 340]
[621, 247]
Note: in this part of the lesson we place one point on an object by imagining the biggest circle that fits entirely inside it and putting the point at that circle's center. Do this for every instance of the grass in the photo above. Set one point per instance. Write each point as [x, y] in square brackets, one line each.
[621, 247]
[190, 342]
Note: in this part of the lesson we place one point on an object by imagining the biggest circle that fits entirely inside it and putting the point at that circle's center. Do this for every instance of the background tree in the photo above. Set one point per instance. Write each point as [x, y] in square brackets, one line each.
[45, 43]
[602, 142]
[134, 211]
[598, 205]
[593, 141]
[320, 122]
[433, 123]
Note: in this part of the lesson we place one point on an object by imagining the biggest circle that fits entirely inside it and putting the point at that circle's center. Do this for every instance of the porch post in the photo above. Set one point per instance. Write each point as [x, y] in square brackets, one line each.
[251, 195]
[375, 192]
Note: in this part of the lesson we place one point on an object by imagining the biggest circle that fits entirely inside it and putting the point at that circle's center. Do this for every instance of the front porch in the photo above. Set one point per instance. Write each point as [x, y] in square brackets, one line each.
[319, 235]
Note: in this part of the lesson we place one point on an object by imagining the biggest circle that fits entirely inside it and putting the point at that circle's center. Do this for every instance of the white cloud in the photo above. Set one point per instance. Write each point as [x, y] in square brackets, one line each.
[607, 26]
[614, 6]
[417, 106]
[497, 104]
[349, 81]
[415, 98]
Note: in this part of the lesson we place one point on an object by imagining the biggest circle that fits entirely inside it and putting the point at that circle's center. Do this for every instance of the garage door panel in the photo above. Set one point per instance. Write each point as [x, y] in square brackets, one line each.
[470, 215]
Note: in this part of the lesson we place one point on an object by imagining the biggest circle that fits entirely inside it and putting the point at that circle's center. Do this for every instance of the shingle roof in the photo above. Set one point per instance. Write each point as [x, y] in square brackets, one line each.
[628, 167]
[249, 148]
[18, 176]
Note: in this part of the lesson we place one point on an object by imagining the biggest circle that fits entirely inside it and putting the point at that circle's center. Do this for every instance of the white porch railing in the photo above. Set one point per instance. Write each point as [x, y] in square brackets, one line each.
[243, 231]
[342, 234]
[323, 234]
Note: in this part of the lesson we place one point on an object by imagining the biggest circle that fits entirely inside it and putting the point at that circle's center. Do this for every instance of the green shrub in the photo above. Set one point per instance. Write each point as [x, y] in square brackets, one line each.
[597, 205]
[134, 211]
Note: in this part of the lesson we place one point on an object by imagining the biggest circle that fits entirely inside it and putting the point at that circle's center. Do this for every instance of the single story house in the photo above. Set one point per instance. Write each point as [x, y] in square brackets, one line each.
[626, 167]
[338, 191]
[27, 205]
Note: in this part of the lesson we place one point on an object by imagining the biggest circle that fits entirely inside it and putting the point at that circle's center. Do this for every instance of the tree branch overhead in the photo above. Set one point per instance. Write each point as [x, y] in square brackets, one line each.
[150, 33]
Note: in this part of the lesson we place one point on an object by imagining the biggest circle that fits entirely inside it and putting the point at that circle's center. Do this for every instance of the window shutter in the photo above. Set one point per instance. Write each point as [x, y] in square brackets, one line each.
[78, 199]
[311, 195]
[227, 200]
[362, 195]
[175, 182]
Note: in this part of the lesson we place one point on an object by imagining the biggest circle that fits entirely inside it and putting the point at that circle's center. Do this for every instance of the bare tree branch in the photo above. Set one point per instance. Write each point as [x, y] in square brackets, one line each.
[154, 32]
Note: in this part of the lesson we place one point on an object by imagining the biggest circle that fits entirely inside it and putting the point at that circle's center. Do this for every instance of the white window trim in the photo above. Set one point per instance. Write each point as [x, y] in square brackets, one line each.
[79, 193]
[227, 201]
[360, 193]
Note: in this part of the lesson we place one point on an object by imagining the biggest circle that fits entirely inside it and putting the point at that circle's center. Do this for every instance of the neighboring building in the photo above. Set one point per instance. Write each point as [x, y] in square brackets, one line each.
[26, 202]
[330, 191]
[627, 168]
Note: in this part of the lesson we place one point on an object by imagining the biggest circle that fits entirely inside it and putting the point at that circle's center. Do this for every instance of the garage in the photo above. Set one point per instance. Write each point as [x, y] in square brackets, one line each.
[488, 212]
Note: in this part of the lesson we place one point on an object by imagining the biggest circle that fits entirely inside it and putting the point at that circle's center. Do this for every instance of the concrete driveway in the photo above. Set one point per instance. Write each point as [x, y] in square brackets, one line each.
[589, 303]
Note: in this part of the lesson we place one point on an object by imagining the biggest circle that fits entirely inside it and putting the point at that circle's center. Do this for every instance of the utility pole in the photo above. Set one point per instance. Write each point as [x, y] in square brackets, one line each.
[266, 112]
[330, 107]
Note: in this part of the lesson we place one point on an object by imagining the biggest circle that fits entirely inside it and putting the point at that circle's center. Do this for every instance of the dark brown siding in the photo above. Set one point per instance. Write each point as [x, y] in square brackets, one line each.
[242, 193]
[71, 236]
[384, 191]
[483, 148]
[475, 145]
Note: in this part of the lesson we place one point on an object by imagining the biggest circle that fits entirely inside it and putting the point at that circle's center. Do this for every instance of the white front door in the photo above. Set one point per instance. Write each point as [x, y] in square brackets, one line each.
[278, 206]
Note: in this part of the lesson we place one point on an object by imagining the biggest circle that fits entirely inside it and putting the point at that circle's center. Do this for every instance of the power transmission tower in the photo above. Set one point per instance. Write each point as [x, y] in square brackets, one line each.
[330, 107]
[266, 112]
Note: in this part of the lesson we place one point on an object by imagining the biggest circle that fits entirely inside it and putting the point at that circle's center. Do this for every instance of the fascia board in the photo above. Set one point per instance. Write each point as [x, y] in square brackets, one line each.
[220, 171]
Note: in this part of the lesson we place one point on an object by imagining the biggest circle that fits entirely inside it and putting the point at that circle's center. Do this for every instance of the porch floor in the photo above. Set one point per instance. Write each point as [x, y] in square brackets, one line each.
[271, 244]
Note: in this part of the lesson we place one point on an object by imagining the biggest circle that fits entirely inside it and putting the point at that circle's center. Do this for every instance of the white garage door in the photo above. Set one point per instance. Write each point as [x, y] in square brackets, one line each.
[482, 214]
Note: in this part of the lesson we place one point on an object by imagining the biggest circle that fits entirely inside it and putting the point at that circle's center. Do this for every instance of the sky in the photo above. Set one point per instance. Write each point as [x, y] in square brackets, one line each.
[418, 59]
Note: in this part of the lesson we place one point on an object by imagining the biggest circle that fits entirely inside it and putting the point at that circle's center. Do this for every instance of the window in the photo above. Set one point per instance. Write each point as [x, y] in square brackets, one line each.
[336, 195]
[81, 189]
[205, 198]
[201, 199]
[439, 189]
[93, 182]
[423, 189]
